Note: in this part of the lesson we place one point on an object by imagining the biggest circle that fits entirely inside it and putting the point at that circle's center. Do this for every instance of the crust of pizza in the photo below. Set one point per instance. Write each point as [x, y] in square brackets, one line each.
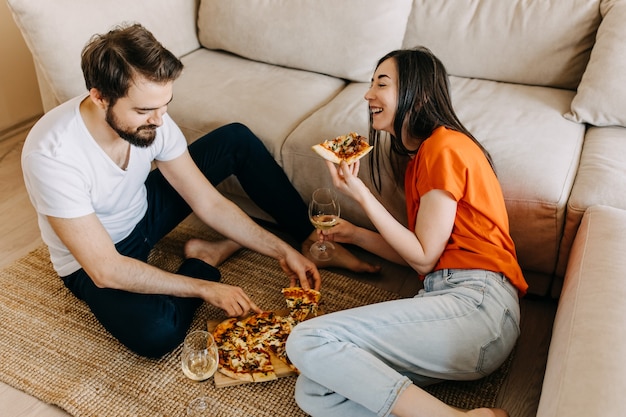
[349, 148]
[327, 154]
[224, 326]
[240, 376]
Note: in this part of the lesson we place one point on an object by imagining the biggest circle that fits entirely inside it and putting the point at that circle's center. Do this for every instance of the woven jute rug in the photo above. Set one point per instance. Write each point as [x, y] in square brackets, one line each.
[51, 346]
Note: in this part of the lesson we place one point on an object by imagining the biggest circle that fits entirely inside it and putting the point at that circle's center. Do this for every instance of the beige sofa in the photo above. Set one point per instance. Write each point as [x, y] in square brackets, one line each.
[542, 84]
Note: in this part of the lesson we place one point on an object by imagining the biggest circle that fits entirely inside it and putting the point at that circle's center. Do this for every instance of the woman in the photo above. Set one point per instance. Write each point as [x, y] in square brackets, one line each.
[373, 359]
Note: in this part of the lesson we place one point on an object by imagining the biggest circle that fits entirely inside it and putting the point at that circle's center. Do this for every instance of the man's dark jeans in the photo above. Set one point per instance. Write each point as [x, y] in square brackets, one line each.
[154, 324]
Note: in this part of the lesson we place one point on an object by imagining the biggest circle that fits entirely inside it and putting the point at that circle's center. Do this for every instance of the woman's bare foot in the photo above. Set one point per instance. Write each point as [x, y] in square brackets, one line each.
[213, 253]
[342, 258]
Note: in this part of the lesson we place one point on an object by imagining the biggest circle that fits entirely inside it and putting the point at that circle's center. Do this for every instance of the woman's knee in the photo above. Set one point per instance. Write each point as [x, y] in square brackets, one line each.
[300, 394]
[309, 395]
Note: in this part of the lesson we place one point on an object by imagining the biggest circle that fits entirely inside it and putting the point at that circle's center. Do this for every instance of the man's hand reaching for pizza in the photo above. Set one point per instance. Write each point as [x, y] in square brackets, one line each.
[233, 300]
[300, 269]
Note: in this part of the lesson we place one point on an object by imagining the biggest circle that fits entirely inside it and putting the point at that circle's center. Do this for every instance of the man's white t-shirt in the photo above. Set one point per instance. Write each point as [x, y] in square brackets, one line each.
[68, 175]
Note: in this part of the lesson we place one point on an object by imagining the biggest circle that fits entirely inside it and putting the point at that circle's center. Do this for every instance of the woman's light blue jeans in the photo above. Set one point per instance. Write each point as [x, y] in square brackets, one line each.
[357, 362]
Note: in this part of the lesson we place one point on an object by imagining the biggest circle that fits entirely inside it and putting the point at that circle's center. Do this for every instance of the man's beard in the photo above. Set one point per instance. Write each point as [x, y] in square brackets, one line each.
[142, 137]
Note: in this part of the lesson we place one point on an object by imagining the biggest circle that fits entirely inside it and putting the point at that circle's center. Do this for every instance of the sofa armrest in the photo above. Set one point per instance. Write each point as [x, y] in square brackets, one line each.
[599, 180]
[586, 370]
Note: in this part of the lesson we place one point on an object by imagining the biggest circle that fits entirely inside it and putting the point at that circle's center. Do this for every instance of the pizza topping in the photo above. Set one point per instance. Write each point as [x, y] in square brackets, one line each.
[346, 145]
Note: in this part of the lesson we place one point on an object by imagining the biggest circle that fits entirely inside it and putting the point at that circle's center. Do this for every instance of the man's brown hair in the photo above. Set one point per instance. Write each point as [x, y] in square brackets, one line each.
[112, 60]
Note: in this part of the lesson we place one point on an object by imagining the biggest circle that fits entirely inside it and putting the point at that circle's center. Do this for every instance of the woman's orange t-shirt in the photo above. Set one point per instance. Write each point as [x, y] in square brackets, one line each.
[449, 160]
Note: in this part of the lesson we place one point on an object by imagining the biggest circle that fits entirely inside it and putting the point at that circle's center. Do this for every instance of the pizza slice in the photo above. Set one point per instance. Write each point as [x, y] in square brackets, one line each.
[349, 148]
[231, 339]
[262, 329]
[263, 370]
[283, 325]
[288, 324]
[302, 303]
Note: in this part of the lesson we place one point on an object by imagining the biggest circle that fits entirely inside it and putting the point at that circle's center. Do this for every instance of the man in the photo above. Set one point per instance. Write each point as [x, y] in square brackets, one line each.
[87, 168]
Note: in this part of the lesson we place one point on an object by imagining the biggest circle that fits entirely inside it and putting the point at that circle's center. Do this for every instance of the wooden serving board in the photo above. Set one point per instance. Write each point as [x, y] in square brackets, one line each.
[281, 369]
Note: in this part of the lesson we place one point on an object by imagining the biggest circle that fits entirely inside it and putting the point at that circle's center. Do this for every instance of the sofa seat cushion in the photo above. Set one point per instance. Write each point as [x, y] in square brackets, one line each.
[536, 153]
[217, 88]
[588, 344]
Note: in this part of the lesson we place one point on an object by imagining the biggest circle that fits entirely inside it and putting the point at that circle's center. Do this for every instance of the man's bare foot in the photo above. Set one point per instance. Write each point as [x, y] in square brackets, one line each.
[488, 412]
[213, 253]
[342, 258]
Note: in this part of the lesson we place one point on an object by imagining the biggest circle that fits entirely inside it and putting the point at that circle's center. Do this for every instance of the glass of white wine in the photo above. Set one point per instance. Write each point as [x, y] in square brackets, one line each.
[324, 213]
[199, 357]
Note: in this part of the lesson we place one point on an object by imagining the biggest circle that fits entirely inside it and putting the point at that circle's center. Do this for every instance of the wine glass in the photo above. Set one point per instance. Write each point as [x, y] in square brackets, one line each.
[199, 357]
[324, 214]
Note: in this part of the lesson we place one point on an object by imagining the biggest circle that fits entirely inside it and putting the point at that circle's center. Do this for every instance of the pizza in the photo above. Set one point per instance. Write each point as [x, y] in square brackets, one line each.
[245, 345]
[349, 148]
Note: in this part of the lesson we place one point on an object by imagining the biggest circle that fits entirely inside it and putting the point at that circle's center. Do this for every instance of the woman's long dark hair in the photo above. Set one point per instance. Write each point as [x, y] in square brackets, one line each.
[424, 104]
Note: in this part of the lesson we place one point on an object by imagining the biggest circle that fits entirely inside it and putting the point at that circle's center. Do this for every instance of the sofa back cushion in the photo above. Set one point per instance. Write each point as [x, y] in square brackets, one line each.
[601, 95]
[342, 38]
[545, 42]
[56, 32]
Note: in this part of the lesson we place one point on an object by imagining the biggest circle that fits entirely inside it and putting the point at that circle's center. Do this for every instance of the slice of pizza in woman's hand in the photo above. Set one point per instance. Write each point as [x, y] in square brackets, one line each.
[349, 148]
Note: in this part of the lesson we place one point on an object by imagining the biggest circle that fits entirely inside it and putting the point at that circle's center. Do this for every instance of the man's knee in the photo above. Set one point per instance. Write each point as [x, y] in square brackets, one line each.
[236, 133]
[155, 328]
[156, 342]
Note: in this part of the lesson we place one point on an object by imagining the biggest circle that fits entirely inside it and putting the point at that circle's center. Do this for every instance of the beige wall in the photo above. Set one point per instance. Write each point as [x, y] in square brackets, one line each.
[19, 92]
